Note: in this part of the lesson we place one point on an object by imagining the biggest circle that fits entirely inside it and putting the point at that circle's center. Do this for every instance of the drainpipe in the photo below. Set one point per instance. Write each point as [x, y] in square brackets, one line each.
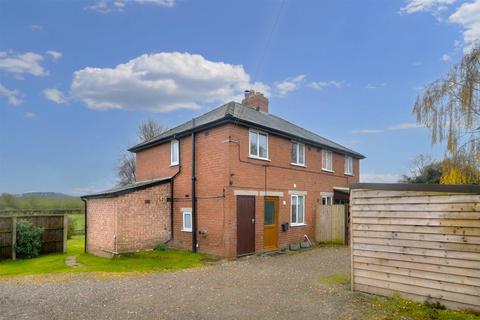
[86, 226]
[194, 199]
[172, 200]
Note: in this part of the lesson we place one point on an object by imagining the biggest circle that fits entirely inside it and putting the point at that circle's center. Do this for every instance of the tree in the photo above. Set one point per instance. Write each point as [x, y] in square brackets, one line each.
[450, 107]
[423, 170]
[148, 130]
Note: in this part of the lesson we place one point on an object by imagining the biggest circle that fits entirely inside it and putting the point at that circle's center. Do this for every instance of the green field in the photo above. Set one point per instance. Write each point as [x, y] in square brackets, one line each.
[78, 221]
[10, 202]
[147, 261]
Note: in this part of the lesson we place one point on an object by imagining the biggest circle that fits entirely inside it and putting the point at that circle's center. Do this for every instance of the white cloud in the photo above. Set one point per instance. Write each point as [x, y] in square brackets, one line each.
[161, 82]
[54, 95]
[290, 84]
[468, 16]
[372, 86]
[367, 131]
[13, 96]
[320, 85]
[25, 63]
[379, 177]
[106, 6]
[54, 54]
[399, 126]
[403, 126]
[436, 7]
[30, 115]
[36, 27]
[445, 57]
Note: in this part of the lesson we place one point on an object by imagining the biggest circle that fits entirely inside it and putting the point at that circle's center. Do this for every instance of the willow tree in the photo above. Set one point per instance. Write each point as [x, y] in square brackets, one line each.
[450, 108]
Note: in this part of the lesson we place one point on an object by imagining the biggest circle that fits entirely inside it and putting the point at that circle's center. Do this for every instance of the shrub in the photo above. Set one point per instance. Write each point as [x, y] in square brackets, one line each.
[160, 247]
[71, 231]
[29, 239]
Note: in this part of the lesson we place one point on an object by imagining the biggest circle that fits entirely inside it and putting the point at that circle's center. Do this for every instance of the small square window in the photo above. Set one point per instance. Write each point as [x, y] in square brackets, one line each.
[258, 145]
[298, 153]
[326, 200]
[298, 209]
[187, 221]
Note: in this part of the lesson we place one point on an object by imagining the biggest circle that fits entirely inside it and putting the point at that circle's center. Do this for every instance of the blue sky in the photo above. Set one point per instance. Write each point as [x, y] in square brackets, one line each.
[78, 77]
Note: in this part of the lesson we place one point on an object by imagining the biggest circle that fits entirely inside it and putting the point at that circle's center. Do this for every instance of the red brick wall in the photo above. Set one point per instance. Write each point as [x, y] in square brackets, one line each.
[143, 218]
[220, 171]
[101, 226]
[128, 222]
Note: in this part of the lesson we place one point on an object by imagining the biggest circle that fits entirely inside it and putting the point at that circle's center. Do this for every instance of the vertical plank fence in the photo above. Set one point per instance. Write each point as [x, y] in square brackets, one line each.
[54, 236]
[330, 223]
[420, 242]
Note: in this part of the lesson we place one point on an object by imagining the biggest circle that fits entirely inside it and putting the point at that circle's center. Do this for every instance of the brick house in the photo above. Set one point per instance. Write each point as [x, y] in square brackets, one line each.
[253, 187]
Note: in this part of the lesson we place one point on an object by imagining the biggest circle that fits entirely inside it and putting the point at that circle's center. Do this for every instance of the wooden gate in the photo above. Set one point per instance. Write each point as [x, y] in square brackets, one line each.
[331, 223]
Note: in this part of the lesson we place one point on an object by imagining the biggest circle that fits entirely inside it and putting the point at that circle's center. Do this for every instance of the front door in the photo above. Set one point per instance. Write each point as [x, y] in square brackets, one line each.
[270, 224]
[245, 225]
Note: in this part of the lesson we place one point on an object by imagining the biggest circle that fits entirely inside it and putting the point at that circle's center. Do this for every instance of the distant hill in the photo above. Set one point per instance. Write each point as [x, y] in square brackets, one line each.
[44, 194]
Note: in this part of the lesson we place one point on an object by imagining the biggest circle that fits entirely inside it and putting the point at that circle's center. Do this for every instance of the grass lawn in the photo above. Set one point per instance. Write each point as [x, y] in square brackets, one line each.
[398, 309]
[137, 262]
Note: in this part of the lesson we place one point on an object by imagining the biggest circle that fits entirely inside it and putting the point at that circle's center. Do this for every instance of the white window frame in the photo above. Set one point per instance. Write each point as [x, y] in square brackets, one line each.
[297, 162]
[348, 165]
[326, 200]
[325, 163]
[187, 212]
[258, 133]
[174, 148]
[297, 223]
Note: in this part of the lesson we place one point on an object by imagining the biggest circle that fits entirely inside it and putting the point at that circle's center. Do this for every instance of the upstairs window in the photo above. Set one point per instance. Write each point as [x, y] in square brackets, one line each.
[174, 153]
[298, 209]
[348, 165]
[258, 144]
[298, 153]
[327, 163]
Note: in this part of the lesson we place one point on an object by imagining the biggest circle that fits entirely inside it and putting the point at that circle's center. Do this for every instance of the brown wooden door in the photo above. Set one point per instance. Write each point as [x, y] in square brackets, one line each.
[270, 224]
[245, 225]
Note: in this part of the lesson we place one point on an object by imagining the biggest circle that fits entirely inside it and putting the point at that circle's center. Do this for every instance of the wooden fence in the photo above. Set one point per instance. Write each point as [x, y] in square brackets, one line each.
[420, 244]
[54, 236]
[330, 223]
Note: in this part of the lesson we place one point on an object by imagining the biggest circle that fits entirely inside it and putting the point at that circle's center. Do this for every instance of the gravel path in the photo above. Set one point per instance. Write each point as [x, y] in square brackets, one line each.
[279, 287]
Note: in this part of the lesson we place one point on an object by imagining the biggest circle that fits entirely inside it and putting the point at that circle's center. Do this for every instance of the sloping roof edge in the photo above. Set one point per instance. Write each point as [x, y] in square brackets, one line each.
[228, 118]
[115, 192]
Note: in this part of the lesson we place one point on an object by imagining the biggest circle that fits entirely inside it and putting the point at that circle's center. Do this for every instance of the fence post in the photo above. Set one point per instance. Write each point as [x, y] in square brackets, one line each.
[14, 237]
[65, 232]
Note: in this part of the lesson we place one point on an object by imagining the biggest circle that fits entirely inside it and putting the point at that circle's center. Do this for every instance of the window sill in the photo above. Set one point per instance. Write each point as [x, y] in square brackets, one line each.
[298, 224]
[186, 230]
[174, 164]
[326, 170]
[349, 174]
[298, 165]
[259, 158]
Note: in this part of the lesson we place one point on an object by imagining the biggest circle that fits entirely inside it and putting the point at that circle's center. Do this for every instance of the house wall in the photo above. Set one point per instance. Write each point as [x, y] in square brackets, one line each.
[130, 222]
[101, 226]
[222, 168]
[143, 218]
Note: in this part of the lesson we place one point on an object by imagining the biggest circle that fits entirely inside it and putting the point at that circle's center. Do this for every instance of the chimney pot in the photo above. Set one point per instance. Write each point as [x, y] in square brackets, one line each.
[255, 100]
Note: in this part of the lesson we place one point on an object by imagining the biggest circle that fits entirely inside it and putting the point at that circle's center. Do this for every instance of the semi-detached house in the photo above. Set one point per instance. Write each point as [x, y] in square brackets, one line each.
[236, 180]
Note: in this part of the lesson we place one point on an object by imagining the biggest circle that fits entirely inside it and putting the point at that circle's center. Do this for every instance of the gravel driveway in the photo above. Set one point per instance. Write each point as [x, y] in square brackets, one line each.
[280, 287]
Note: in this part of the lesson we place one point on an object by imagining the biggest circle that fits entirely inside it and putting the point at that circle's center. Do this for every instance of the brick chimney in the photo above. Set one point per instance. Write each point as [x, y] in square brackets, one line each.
[255, 100]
